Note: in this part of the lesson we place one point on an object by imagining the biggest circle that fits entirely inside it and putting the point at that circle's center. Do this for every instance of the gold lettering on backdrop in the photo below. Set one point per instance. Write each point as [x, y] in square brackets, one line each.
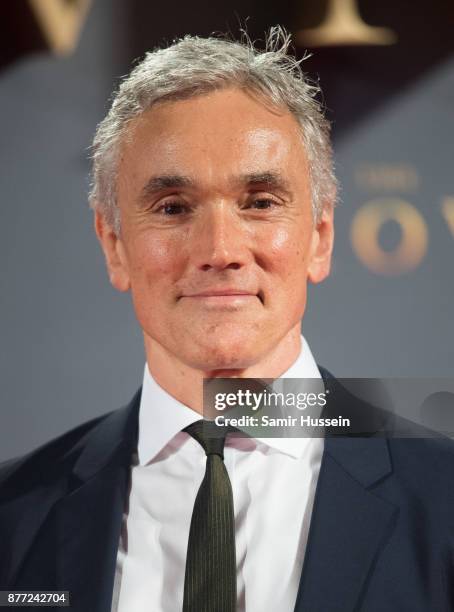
[365, 229]
[387, 177]
[61, 22]
[447, 210]
[343, 25]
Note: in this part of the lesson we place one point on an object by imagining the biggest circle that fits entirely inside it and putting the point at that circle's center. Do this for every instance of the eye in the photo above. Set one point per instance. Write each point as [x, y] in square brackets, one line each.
[172, 209]
[262, 203]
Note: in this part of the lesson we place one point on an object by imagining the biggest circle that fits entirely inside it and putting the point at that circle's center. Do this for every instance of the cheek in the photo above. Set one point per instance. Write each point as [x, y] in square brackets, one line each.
[155, 260]
[288, 252]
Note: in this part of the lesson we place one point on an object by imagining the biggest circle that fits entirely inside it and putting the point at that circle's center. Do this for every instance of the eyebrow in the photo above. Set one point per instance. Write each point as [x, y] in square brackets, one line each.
[156, 184]
[269, 178]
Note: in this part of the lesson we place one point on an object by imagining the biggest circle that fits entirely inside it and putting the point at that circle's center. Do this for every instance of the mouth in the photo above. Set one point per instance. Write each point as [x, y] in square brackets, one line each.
[224, 296]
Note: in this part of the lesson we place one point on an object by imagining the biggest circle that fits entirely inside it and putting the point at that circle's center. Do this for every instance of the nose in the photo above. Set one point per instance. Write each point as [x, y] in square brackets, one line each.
[220, 241]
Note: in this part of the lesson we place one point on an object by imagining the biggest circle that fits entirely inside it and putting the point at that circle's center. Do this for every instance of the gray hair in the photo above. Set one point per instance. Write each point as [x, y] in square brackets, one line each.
[193, 66]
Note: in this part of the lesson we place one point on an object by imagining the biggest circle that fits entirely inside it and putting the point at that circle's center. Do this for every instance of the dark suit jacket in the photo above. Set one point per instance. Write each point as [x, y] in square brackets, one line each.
[381, 537]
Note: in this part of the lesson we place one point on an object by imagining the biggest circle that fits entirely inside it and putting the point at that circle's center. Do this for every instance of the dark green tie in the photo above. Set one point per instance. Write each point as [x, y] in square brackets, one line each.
[210, 579]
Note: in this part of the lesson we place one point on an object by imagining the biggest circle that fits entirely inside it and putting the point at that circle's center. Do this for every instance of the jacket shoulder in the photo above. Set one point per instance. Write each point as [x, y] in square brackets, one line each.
[424, 455]
[44, 463]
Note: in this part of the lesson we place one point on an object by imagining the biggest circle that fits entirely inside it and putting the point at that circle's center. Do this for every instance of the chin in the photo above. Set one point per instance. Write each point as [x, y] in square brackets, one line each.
[225, 354]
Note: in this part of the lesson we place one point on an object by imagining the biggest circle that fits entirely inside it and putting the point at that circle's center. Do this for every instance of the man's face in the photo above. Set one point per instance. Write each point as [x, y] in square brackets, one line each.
[217, 237]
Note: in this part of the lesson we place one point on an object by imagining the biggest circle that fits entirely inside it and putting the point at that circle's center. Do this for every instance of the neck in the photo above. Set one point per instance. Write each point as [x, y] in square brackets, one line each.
[185, 383]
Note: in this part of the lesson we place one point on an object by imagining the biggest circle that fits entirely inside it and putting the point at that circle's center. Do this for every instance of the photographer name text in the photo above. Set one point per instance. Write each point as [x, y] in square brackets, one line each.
[267, 421]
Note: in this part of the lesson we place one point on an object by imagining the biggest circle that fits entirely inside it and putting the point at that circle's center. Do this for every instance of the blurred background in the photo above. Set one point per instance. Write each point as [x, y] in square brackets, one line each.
[71, 348]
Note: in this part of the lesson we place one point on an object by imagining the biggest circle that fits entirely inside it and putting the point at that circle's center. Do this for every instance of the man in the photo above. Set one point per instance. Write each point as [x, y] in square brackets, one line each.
[213, 196]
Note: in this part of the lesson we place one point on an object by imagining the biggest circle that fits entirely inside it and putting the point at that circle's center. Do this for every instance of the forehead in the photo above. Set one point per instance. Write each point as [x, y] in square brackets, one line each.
[227, 131]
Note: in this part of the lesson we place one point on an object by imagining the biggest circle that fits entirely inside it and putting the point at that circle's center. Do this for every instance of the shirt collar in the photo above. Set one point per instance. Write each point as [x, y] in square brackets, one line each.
[304, 367]
[161, 416]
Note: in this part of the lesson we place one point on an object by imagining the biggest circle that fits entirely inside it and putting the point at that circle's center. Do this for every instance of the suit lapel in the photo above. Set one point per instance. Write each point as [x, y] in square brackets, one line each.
[350, 525]
[88, 521]
[73, 546]
[88, 524]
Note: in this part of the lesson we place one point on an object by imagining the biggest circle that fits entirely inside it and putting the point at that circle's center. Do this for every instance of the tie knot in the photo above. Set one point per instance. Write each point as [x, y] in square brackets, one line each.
[210, 436]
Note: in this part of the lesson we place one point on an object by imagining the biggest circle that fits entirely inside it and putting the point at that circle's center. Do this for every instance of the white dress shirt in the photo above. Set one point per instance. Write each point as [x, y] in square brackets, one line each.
[273, 482]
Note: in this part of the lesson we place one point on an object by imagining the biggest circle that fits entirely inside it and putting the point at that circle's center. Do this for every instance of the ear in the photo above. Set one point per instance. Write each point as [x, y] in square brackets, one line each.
[322, 247]
[114, 253]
